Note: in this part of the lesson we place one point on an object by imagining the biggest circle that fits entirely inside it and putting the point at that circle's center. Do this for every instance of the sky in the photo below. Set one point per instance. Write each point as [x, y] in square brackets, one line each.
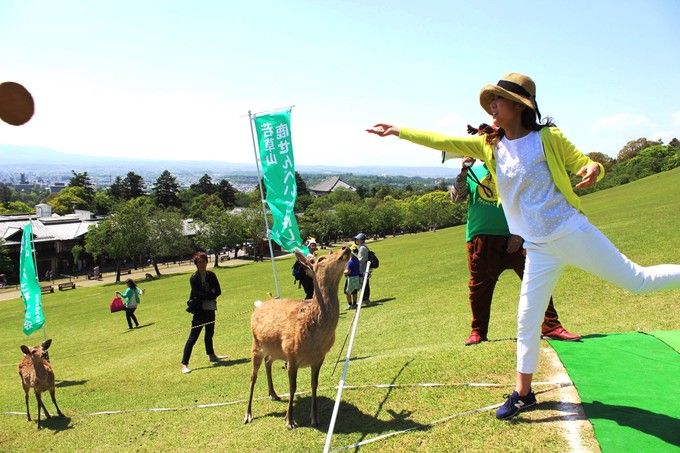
[175, 80]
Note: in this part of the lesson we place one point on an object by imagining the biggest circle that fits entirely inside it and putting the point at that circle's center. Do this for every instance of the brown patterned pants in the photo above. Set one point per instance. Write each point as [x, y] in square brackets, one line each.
[487, 259]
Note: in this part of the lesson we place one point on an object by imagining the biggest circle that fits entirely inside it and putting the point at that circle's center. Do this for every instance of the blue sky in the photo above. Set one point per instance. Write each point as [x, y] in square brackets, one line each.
[175, 79]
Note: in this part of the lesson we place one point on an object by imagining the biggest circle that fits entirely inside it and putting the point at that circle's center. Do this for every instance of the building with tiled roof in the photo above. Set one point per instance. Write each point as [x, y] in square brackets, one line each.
[328, 185]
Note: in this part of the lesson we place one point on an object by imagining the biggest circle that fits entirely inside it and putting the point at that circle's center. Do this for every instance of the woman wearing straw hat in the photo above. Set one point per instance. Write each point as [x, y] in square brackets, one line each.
[531, 162]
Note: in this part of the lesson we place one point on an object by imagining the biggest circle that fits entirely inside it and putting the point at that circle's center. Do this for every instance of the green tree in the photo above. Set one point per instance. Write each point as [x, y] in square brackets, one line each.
[204, 185]
[227, 193]
[301, 185]
[253, 224]
[166, 236]
[202, 203]
[84, 181]
[103, 203]
[76, 252]
[165, 191]
[6, 193]
[219, 229]
[352, 218]
[69, 199]
[633, 148]
[124, 234]
[606, 161]
[116, 189]
[6, 265]
[387, 217]
[133, 186]
[16, 207]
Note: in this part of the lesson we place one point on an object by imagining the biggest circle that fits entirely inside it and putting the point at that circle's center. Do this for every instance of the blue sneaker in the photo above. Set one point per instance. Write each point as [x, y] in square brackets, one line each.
[514, 404]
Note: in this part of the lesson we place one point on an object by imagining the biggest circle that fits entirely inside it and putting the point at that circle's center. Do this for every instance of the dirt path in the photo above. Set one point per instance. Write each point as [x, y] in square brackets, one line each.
[109, 277]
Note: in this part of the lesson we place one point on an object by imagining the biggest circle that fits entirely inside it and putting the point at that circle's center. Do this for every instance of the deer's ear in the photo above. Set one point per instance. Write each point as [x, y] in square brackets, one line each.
[46, 344]
[25, 349]
[302, 259]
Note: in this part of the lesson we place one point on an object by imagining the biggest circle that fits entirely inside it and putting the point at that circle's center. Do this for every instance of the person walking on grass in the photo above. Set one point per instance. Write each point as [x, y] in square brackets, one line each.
[205, 289]
[360, 241]
[306, 281]
[353, 278]
[491, 249]
[131, 297]
[531, 160]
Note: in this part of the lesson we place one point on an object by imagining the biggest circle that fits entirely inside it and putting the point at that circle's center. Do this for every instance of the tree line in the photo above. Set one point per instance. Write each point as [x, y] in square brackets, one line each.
[150, 222]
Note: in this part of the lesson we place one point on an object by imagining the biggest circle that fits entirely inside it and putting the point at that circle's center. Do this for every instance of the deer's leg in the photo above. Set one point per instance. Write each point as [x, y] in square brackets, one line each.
[28, 411]
[315, 383]
[47, 414]
[37, 397]
[270, 384]
[292, 386]
[54, 400]
[257, 361]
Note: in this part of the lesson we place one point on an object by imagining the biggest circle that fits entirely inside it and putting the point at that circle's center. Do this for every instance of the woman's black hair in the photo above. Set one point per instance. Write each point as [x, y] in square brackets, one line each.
[202, 255]
[529, 122]
[131, 283]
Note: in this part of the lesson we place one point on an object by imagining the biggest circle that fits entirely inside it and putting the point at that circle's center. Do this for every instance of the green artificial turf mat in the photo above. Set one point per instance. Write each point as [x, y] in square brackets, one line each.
[629, 385]
[670, 337]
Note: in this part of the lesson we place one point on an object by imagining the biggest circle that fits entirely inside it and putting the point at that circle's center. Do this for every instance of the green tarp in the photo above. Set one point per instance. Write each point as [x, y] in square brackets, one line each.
[629, 385]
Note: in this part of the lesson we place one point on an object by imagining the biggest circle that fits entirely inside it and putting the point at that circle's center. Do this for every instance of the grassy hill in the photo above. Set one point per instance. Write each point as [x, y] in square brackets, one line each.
[414, 334]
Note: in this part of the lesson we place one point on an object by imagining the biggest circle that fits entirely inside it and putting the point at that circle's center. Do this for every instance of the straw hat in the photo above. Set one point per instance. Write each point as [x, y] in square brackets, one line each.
[16, 104]
[514, 86]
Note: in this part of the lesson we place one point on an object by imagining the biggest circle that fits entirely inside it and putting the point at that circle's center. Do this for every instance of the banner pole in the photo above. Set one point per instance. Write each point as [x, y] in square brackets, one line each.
[341, 384]
[264, 209]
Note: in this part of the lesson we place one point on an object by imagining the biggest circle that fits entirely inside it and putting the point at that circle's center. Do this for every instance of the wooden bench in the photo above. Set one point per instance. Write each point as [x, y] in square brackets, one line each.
[66, 285]
[46, 289]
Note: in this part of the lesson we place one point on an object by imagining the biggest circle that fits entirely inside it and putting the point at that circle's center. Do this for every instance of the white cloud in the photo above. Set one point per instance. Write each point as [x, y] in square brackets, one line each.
[623, 121]
[675, 120]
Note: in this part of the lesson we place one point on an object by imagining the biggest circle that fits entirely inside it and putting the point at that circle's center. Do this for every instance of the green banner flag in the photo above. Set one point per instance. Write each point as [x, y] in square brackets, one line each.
[30, 288]
[278, 168]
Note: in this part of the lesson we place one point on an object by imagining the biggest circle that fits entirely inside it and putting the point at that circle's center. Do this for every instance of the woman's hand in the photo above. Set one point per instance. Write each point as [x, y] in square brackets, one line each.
[588, 174]
[514, 243]
[383, 130]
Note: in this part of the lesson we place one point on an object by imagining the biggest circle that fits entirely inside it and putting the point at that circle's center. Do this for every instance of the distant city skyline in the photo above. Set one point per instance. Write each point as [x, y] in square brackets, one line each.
[174, 80]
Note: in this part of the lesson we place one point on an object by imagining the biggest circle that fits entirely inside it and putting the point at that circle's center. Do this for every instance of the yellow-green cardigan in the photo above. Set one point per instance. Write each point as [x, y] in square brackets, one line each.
[560, 154]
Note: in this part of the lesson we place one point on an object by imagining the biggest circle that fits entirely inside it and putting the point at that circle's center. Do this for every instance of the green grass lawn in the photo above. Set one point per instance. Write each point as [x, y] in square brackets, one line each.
[414, 334]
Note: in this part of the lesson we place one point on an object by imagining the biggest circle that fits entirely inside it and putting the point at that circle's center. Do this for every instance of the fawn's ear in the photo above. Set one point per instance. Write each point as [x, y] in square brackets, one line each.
[46, 344]
[25, 349]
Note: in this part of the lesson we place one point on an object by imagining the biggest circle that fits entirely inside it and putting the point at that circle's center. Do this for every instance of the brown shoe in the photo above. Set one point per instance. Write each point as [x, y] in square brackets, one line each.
[474, 338]
[562, 334]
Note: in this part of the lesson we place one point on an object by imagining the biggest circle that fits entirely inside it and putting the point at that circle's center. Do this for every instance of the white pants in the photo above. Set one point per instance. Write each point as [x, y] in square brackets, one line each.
[588, 249]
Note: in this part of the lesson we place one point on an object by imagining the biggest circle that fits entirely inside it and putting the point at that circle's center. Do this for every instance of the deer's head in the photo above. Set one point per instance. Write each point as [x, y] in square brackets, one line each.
[37, 352]
[325, 267]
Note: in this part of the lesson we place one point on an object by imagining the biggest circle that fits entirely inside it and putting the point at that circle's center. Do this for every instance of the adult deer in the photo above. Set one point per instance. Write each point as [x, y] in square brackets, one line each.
[300, 332]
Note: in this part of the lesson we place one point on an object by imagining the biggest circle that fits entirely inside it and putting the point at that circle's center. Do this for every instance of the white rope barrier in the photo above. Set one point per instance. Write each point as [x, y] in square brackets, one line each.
[442, 420]
[355, 322]
[303, 392]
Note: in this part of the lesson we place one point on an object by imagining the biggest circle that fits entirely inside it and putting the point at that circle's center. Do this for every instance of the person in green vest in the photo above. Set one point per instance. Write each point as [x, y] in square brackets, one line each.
[491, 249]
[132, 297]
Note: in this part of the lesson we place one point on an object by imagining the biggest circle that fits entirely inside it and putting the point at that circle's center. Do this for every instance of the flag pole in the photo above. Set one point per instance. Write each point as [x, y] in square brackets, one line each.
[264, 210]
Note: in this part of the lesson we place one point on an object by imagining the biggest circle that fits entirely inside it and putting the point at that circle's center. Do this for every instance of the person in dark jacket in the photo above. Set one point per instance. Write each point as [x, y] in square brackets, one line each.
[205, 289]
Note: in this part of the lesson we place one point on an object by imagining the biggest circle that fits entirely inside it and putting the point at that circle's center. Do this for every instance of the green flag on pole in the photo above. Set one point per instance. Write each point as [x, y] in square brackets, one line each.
[30, 288]
[278, 169]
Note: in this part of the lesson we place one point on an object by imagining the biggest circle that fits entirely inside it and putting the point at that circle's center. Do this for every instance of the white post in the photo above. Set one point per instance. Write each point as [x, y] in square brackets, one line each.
[264, 210]
[341, 384]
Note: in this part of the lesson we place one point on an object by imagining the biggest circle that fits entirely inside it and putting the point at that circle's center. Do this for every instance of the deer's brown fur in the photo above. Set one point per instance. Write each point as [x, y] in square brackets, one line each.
[300, 332]
[36, 372]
